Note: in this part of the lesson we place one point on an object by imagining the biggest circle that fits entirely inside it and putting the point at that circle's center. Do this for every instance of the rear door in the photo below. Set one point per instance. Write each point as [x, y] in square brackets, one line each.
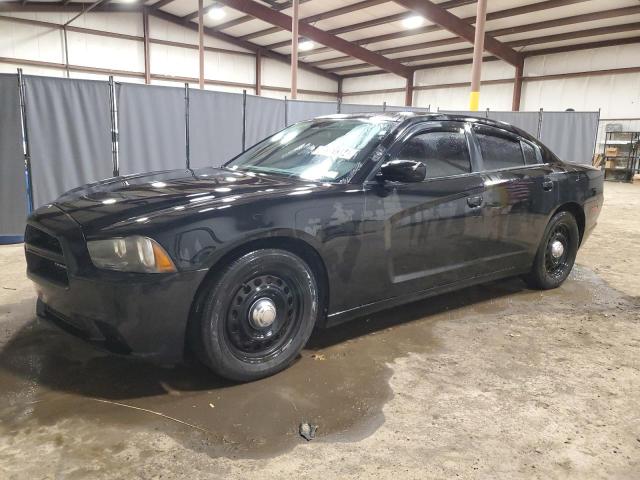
[517, 186]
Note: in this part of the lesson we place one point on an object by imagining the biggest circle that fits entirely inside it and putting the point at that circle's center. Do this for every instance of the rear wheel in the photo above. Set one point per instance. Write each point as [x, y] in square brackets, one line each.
[556, 254]
[256, 315]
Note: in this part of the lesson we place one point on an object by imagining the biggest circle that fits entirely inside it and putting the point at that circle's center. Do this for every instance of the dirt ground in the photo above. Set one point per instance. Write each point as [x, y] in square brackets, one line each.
[496, 381]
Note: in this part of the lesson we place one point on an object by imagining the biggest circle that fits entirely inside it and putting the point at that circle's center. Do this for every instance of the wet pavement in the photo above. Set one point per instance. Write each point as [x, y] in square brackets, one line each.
[340, 382]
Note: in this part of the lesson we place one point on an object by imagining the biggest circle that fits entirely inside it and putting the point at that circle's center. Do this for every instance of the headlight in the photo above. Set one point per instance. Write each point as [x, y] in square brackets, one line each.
[130, 254]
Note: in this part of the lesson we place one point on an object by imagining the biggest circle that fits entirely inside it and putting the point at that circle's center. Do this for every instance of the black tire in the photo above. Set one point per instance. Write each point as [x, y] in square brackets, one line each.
[230, 339]
[550, 270]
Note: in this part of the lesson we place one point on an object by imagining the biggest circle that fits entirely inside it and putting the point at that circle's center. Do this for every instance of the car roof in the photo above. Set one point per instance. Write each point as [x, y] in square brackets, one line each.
[408, 117]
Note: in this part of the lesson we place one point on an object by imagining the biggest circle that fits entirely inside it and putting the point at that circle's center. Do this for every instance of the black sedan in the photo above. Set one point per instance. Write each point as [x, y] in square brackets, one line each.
[323, 222]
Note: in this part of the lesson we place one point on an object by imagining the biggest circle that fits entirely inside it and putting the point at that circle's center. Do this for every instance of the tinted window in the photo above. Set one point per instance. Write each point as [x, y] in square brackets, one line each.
[499, 151]
[326, 150]
[444, 153]
[530, 156]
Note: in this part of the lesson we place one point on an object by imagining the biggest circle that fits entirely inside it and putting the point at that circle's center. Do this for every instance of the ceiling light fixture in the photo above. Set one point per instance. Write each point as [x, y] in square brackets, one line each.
[413, 22]
[217, 13]
[305, 45]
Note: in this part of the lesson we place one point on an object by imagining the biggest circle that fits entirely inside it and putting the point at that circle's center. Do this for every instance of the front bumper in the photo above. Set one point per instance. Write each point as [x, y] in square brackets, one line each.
[130, 313]
[144, 317]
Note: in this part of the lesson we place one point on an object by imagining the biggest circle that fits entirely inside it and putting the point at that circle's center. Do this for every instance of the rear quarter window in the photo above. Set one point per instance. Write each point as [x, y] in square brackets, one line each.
[531, 155]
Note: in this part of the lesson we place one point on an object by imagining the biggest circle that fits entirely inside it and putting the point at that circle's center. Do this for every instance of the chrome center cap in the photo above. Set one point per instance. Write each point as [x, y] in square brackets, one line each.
[262, 313]
[557, 249]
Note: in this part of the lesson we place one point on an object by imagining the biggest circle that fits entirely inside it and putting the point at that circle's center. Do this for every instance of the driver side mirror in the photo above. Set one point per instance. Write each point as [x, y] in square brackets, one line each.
[405, 171]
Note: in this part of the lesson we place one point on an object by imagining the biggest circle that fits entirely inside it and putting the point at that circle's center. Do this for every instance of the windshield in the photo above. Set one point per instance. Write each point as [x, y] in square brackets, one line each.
[328, 150]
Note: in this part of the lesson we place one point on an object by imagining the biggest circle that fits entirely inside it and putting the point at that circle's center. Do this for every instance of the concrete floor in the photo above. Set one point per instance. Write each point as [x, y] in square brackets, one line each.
[491, 382]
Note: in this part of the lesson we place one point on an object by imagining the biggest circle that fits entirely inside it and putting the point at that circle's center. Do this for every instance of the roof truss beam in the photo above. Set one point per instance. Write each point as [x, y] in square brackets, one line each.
[244, 19]
[235, 41]
[283, 21]
[509, 12]
[627, 27]
[461, 28]
[558, 22]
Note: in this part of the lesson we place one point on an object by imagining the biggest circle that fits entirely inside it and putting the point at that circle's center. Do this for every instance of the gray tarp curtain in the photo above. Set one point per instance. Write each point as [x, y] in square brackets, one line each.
[298, 110]
[152, 128]
[13, 205]
[264, 117]
[356, 108]
[527, 121]
[69, 134]
[215, 127]
[570, 135]
[394, 108]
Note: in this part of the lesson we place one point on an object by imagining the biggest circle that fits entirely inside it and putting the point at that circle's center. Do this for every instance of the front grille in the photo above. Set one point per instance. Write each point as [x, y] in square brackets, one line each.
[44, 256]
[37, 238]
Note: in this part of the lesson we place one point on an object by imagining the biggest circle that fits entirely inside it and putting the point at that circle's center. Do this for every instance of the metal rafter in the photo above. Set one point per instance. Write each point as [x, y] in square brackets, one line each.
[509, 12]
[241, 20]
[461, 28]
[592, 32]
[284, 21]
[17, 6]
[235, 41]
[558, 22]
[320, 16]
[371, 23]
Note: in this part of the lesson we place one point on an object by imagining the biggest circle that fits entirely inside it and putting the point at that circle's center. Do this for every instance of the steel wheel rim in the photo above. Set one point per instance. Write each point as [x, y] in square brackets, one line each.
[557, 265]
[247, 339]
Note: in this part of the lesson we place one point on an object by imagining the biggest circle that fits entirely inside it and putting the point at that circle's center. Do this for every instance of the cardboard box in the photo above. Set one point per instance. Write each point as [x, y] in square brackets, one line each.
[609, 164]
[611, 151]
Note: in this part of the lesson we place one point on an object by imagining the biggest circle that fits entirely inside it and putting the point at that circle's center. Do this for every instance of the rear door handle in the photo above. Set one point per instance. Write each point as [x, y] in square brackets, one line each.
[547, 185]
[474, 201]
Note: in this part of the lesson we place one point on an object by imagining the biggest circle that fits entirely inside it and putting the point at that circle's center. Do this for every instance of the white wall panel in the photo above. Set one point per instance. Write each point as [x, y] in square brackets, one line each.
[126, 23]
[496, 70]
[618, 96]
[31, 42]
[105, 52]
[229, 67]
[175, 61]
[373, 82]
[278, 74]
[605, 58]
[376, 99]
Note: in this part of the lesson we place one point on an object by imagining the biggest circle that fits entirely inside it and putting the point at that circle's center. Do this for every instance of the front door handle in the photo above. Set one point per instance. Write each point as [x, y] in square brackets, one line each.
[474, 201]
[547, 185]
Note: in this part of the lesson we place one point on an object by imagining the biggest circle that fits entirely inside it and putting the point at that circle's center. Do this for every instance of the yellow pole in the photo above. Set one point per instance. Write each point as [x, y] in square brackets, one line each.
[478, 49]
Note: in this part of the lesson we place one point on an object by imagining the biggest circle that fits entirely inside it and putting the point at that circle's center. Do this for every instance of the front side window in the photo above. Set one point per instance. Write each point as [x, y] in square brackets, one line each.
[499, 151]
[445, 153]
[329, 150]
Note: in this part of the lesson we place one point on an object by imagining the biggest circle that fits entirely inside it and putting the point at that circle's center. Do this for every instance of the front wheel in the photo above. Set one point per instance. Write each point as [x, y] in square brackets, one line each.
[256, 315]
[556, 254]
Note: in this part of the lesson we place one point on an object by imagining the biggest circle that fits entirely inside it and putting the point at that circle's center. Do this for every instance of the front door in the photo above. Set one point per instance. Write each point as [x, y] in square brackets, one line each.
[425, 234]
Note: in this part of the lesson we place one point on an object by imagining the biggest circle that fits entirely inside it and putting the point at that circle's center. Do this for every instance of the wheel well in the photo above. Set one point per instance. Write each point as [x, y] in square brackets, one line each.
[578, 213]
[293, 245]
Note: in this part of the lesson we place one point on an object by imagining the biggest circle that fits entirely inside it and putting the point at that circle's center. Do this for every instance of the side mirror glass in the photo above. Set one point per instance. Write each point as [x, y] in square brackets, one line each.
[405, 171]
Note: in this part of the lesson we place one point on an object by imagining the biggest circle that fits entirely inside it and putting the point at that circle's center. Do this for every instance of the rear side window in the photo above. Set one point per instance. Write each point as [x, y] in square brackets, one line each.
[499, 151]
[445, 153]
[530, 154]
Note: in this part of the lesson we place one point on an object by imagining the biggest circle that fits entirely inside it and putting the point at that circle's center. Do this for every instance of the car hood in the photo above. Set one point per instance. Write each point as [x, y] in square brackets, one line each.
[122, 199]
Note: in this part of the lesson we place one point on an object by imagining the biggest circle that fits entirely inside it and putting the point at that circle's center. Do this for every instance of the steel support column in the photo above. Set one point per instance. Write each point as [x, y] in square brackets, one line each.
[258, 73]
[201, 43]
[517, 88]
[145, 30]
[408, 92]
[294, 48]
[478, 50]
